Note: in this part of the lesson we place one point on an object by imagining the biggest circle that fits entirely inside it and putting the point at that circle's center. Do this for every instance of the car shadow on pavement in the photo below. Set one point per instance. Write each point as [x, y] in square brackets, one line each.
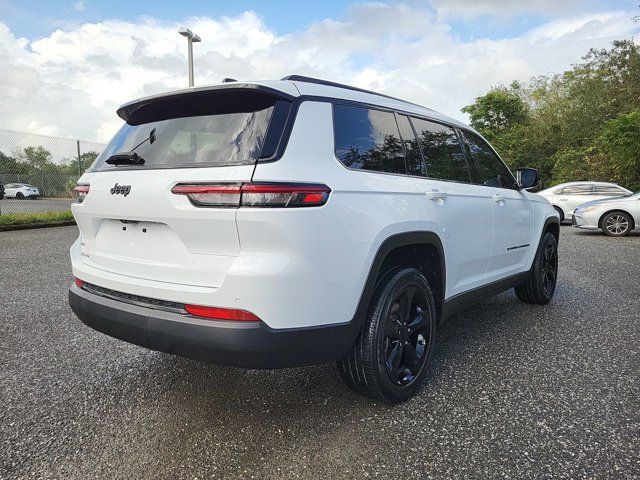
[293, 389]
[272, 418]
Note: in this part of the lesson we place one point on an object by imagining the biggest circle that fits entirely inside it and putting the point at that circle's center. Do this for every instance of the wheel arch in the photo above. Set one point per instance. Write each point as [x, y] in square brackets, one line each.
[419, 249]
[559, 209]
[552, 226]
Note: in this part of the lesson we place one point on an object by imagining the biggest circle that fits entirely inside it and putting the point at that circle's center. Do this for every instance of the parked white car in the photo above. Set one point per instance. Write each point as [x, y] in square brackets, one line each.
[20, 191]
[567, 196]
[616, 217]
[285, 223]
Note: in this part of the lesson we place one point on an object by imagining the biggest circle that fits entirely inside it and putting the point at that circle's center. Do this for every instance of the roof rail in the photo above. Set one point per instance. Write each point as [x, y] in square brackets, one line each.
[318, 81]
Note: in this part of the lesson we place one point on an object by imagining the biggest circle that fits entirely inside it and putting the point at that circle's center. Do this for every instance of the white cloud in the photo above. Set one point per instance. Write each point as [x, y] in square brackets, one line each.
[71, 82]
[507, 8]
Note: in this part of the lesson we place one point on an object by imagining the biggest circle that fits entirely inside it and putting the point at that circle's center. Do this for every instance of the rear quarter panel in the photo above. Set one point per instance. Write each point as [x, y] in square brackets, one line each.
[325, 252]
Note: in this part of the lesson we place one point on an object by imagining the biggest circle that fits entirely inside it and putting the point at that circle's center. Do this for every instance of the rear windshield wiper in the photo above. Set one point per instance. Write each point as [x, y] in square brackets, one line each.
[125, 158]
[131, 158]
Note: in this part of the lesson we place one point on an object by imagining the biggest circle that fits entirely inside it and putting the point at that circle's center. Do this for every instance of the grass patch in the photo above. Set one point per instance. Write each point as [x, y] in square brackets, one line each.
[11, 219]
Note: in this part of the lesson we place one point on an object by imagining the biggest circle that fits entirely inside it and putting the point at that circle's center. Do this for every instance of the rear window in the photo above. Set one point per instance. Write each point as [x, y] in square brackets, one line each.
[214, 128]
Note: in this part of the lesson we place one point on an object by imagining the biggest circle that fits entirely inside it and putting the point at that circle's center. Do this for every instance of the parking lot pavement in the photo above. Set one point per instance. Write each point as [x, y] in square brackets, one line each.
[39, 205]
[516, 391]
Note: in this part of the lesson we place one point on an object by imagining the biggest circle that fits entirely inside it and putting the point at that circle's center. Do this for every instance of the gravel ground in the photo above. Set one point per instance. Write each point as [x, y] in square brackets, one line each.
[40, 205]
[516, 391]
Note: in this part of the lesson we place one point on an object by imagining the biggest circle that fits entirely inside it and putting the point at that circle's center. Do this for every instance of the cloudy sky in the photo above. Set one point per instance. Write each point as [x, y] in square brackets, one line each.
[65, 66]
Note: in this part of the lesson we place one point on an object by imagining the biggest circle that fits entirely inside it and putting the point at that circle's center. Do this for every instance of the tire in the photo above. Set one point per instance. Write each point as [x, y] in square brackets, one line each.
[392, 354]
[541, 283]
[616, 224]
[560, 212]
[20, 196]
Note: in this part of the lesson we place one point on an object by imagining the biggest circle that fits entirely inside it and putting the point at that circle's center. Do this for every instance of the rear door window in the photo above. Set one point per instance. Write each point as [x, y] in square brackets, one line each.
[442, 152]
[219, 129]
[582, 189]
[610, 190]
[368, 139]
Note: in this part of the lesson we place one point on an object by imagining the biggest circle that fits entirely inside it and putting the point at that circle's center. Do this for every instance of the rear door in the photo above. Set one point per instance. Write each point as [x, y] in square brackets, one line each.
[130, 221]
[462, 211]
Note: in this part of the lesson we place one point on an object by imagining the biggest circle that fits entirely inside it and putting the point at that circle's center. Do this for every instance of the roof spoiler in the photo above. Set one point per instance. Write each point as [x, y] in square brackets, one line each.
[171, 104]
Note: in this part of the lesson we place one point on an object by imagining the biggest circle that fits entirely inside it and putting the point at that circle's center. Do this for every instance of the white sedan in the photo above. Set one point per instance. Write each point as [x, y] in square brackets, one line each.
[20, 191]
[567, 196]
[616, 217]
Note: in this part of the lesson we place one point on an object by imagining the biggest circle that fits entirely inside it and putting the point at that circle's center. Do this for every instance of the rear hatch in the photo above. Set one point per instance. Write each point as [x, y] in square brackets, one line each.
[133, 225]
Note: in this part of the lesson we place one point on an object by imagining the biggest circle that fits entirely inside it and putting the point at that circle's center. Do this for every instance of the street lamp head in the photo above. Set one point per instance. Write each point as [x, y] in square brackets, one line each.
[185, 32]
[195, 38]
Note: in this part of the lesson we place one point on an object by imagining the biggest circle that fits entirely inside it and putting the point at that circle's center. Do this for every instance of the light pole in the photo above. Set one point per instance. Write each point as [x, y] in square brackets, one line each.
[191, 39]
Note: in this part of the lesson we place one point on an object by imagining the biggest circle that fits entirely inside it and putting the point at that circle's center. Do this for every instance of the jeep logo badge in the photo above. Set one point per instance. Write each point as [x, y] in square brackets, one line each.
[120, 189]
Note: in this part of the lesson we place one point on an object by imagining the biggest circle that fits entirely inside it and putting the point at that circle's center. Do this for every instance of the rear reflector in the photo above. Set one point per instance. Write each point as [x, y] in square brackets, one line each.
[216, 313]
[78, 282]
[255, 194]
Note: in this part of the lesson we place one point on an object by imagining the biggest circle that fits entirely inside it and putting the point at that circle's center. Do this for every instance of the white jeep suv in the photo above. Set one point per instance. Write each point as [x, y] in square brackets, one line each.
[286, 223]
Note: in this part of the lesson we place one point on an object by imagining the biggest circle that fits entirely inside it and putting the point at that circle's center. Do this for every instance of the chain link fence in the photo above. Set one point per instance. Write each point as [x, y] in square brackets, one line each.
[38, 172]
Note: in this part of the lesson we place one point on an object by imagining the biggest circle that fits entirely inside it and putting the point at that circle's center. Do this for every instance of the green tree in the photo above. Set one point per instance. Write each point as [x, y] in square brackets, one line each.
[620, 141]
[36, 157]
[573, 125]
[498, 110]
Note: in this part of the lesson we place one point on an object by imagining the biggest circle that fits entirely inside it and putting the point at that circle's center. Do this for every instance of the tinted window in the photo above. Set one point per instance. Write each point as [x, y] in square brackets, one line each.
[415, 166]
[220, 128]
[441, 150]
[490, 170]
[610, 190]
[368, 139]
[583, 189]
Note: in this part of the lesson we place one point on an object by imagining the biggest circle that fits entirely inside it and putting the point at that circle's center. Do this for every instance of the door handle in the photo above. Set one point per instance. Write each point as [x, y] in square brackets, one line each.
[499, 199]
[435, 195]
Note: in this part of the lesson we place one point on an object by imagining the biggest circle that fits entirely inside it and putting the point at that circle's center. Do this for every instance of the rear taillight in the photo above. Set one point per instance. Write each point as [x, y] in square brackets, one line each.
[255, 194]
[217, 313]
[78, 282]
[81, 190]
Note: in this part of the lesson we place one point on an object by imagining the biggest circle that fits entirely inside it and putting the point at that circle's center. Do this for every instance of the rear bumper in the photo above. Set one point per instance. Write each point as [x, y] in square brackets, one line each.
[237, 344]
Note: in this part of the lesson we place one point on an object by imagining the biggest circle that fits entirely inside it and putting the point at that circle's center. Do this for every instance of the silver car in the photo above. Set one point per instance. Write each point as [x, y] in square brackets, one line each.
[616, 217]
[567, 196]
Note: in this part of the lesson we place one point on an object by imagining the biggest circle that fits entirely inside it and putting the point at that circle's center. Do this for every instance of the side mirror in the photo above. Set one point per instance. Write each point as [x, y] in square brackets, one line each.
[527, 177]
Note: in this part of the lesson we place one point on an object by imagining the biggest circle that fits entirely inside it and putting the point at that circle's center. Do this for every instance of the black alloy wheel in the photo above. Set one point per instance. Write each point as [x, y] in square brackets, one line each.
[541, 284]
[391, 356]
[406, 336]
[549, 269]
